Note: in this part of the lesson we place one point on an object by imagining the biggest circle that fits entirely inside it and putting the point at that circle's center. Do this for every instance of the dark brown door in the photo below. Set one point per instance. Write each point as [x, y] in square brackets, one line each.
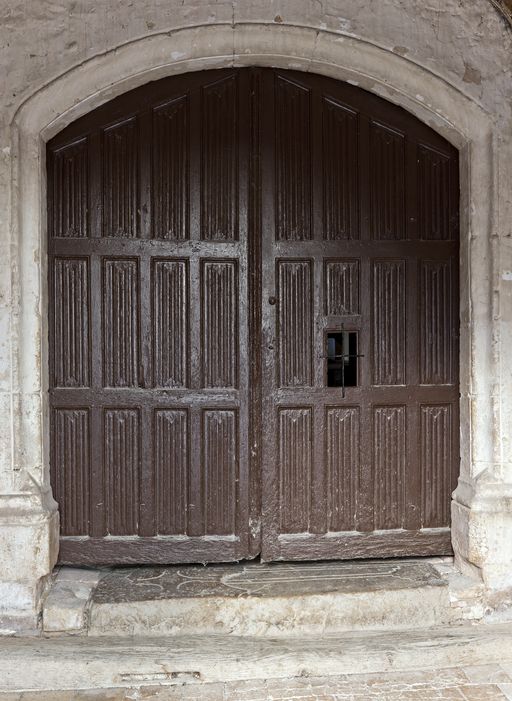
[253, 324]
[360, 319]
[149, 330]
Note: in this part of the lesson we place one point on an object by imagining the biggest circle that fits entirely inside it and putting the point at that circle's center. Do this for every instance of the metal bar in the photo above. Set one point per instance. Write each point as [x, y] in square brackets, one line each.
[342, 356]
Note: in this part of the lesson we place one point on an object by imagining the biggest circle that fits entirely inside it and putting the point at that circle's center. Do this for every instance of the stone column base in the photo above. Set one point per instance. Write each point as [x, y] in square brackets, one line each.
[29, 542]
[482, 542]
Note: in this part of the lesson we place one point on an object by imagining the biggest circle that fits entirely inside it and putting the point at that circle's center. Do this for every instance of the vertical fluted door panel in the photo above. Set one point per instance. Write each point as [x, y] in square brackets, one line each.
[171, 348]
[295, 323]
[171, 169]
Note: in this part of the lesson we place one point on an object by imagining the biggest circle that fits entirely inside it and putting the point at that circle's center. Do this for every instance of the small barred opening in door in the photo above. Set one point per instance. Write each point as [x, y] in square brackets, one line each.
[253, 310]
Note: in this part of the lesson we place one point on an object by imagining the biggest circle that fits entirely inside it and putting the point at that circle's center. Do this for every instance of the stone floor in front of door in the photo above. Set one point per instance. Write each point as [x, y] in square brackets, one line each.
[470, 683]
[337, 631]
[253, 599]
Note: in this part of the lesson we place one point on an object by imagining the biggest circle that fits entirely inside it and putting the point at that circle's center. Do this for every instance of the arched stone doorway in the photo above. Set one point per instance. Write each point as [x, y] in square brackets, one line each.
[253, 286]
[481, 518]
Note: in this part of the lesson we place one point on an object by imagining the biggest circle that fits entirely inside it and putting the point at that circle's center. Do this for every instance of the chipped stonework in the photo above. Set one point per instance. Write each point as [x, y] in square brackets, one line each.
[278, 600]
[448, 63]
[468, 683]
[67, 604]
[393, 666]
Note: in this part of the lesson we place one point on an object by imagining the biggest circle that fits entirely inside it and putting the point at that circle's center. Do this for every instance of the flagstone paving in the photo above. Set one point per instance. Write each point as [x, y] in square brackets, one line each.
[133, 584]
[478, 683]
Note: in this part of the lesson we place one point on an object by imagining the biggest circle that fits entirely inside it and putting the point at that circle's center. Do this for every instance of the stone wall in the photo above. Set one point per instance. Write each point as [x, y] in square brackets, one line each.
[449, 63]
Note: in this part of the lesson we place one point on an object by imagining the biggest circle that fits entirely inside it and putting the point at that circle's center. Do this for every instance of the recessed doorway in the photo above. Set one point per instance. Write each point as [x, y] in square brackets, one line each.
[253, 324]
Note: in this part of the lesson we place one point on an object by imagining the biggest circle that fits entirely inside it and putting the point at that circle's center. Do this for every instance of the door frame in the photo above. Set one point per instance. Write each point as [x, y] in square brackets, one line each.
[257, 158]
[440, 102]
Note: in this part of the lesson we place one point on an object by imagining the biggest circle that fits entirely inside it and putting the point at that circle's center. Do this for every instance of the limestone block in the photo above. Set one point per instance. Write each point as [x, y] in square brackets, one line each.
[483, 544]
[87, 663]
[271, 601]
[65, 608]
[28, 552]
[78, 575]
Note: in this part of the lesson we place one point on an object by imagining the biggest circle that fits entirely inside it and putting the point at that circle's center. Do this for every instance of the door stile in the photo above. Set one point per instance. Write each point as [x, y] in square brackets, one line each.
[244, 408]
[318, 522]
[254, 223]
[364, 495]
[147, 485]
[270, 456]
[147, 507]
[145, 129]
[195, 145]
[196, 515]
[196, 499]
[412, 476]
[98, 520]
[97, 527]
[455, 267]
[364, 517]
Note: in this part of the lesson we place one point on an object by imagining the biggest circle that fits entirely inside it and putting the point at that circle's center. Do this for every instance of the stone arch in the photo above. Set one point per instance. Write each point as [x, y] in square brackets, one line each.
[504, 7]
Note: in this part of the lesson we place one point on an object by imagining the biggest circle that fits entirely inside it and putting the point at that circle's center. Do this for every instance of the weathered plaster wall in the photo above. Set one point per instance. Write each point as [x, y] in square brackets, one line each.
[448, 62]
[467, 42]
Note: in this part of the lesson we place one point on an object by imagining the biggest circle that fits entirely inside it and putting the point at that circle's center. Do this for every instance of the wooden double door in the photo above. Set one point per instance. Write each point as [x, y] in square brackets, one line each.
[253, 305]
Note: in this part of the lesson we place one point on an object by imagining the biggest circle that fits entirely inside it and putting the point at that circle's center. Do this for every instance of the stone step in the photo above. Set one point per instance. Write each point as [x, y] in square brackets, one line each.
[277, 600]
[76, 662]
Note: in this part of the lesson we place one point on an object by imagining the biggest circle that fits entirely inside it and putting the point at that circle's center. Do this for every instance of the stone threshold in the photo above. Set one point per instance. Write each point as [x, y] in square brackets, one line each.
[76, 663]
[252, 599]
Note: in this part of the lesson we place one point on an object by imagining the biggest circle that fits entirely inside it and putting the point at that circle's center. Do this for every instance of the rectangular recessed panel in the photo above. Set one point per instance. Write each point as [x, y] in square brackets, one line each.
[220, 466]
[69, 190]
[388, 322]
[436, 323]
[71, 469]
[434, 189]
[219, 162]
[172, 470]
[171, 170]
[122, 470]
[71, 322]
[436, 465]
[295, 465]
[341, 287]
[389, 452]
[293, 161]
[387, 183]
[295, 322]
[340, 146]
[219, 323]
[170, 323]
[121, 180]
[120, 322]
[342, 460]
